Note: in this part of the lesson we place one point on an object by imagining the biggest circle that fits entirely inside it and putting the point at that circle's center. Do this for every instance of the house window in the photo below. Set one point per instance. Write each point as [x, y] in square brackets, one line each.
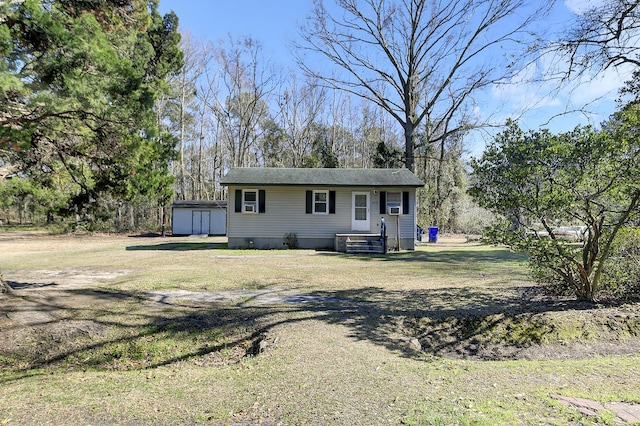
[250, 201]
[394, 203]
[320, 202]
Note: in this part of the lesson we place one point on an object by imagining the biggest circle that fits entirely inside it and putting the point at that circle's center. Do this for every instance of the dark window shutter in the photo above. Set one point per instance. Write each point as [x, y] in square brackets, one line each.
[405, 202]
[262, 201]
[383, 202]
[332, 202]
[309, 206]
[238, 200]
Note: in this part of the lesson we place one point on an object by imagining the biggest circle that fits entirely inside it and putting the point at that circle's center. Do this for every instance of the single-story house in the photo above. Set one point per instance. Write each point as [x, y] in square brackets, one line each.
[193, 217]
[320, 208]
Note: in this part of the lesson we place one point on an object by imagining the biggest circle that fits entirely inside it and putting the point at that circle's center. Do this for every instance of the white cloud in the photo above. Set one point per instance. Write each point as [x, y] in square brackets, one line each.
[525, 91]
[535, 101]
[604, 85]
[581, 6]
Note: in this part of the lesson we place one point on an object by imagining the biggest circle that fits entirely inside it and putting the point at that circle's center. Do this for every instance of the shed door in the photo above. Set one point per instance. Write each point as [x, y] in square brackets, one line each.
[200, 222]
[360, 214]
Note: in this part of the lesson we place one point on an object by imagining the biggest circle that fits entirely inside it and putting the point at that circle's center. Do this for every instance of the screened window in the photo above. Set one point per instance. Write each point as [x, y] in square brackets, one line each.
[250, 201]
[320, 202]
[394, 202]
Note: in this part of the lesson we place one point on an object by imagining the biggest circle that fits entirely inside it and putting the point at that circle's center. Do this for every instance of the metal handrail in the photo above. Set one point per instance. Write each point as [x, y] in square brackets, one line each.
[383, 235]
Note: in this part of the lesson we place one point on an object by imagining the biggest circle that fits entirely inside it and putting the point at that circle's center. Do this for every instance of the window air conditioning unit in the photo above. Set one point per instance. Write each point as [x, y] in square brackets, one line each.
[394, 210]
[250, 208]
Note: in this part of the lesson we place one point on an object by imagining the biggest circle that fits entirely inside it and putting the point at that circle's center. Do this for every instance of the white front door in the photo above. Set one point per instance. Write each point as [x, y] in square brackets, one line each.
[360, 214]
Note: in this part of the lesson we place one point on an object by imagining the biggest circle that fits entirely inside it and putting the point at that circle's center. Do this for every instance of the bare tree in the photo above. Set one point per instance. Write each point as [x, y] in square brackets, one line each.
[207, 156]
[246, 84]
[373, 130]
[341, 139]
[179, 113]
[606, 35]
[420, 59]
[299, 108]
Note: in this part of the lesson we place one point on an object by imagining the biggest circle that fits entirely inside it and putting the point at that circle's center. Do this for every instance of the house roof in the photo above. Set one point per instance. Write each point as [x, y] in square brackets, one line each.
[265, 176]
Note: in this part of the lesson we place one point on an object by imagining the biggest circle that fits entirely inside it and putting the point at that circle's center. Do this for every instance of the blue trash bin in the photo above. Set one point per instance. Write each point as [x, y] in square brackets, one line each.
[433, 234]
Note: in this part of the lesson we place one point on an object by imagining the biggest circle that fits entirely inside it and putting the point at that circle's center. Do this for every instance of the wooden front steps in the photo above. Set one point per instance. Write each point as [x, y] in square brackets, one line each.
[359, 243]
[365, 247]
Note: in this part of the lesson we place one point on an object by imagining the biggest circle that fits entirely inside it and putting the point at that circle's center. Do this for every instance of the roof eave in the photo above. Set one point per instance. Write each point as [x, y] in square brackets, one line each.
[326, 185]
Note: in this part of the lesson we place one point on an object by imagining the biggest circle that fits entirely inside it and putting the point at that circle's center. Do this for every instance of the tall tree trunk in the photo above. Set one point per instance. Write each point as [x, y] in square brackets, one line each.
[163, 220]
[439, 201]
[182, 172]
[409, 146]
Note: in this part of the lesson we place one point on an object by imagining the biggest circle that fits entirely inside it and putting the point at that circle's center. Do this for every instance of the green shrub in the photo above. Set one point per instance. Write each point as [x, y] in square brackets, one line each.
[621, 275]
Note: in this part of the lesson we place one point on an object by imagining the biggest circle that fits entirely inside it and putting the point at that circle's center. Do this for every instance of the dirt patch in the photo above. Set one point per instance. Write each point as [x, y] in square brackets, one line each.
[48, 307]
[62, 278]
[272, 296]
[44, 299]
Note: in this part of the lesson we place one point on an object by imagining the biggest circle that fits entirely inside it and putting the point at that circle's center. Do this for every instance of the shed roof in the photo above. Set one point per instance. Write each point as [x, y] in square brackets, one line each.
[266, 176]
[200, 204]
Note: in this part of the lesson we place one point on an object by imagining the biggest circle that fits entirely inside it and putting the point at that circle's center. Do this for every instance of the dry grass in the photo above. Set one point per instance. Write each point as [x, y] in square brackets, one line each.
[131, 330]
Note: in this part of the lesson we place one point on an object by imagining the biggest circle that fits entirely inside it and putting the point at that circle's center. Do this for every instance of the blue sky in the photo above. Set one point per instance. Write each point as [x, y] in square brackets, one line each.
[272, 22]
[275, 24]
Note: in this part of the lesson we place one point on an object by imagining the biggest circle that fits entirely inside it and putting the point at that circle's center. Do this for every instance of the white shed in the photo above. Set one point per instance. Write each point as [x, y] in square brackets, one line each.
[196, 217]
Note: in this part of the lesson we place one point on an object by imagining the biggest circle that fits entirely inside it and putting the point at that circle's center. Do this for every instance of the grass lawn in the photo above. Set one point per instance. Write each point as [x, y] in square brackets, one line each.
[141, 330]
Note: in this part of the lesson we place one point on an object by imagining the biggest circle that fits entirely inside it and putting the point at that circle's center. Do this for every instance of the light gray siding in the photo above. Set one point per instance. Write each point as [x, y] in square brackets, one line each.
[405, 223]
[285, 214]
